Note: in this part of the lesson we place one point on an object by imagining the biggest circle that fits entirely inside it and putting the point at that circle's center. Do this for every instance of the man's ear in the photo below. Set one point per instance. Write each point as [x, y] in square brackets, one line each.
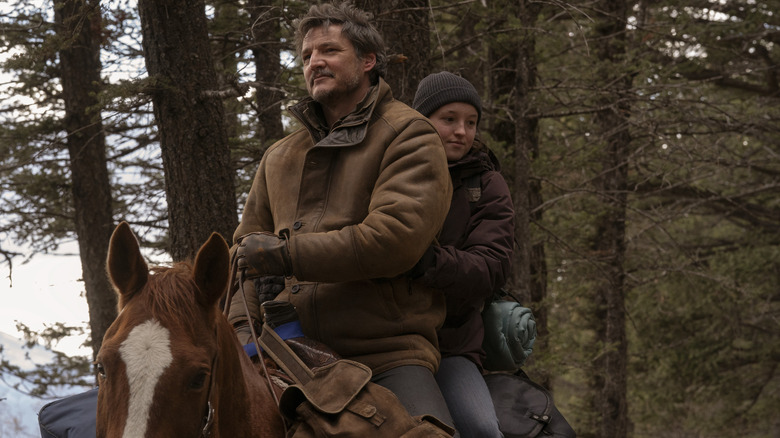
[369, 61]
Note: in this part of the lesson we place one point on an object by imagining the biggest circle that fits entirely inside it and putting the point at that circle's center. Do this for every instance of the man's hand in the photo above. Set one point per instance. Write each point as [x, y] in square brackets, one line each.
[265, 253]
[268, 287]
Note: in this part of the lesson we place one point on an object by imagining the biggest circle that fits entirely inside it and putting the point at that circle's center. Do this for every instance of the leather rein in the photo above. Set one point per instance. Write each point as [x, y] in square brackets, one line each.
[208, 417]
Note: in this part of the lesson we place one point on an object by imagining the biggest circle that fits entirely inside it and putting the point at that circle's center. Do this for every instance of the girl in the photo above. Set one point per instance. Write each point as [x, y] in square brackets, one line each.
[474, 254]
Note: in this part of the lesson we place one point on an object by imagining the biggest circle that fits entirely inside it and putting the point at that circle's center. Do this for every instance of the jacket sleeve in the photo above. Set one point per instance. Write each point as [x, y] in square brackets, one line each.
[255, 217]
[408, 205]
[470, 273]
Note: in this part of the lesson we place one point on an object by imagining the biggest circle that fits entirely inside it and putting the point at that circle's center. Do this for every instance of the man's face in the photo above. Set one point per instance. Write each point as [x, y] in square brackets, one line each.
[331, 67]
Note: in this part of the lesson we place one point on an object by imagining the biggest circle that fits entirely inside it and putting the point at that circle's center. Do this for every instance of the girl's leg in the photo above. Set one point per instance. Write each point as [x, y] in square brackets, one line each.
[468, 398]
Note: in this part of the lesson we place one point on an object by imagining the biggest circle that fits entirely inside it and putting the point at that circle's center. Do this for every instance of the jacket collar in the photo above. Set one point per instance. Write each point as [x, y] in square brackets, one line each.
[478, 160]
[350, 129]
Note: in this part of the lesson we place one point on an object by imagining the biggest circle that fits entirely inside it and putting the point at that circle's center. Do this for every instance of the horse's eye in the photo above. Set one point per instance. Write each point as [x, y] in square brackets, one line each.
[101, 371]
[199, 380]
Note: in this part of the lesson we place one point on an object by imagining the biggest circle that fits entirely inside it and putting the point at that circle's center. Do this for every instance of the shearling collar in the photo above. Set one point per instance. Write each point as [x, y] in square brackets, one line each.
[347, 131]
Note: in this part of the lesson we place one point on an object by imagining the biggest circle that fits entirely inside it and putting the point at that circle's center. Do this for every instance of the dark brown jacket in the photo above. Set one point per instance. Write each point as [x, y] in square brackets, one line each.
[475, 255]
[362, 202]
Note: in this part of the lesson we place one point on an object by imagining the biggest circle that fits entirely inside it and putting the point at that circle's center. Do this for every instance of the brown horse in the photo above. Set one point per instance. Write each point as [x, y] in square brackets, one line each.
[170, 364]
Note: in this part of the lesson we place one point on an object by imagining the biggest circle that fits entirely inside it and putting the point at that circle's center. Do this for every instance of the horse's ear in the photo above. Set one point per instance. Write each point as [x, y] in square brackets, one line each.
[125, 265]
[212, 267]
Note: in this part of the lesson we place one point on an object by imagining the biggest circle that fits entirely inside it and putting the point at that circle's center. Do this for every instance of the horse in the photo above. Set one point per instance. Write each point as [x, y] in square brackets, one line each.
[170, 364]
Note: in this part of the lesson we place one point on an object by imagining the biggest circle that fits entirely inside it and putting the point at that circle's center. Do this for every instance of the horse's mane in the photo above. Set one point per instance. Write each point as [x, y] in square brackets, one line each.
[171, 294]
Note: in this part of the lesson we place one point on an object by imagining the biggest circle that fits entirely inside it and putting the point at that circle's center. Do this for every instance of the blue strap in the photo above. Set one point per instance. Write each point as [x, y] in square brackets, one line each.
[289, 330]
[285, 331]
[250, 349]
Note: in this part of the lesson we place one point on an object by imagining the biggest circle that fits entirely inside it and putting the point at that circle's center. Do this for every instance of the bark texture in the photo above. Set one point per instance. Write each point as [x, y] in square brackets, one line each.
[193, 138]
[79, 27]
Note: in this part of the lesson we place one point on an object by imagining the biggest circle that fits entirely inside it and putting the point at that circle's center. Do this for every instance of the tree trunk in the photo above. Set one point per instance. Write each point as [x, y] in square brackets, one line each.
[404, 27]
[225, 48]
[528, 189]
[468, 62]
[514, 75]
[609, 244]
[265, 32]
[505, 80]
[79, 25]
[193, 139]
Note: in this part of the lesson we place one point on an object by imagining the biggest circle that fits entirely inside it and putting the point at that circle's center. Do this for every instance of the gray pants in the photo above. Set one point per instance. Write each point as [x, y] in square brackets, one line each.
[468, 398]
[417, 390]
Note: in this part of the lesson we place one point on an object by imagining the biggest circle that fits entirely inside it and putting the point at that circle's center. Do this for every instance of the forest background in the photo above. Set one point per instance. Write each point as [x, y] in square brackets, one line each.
[640, 140]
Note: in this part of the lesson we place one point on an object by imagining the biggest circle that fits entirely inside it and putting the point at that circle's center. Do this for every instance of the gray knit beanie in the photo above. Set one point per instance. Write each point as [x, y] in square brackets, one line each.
[439, 89]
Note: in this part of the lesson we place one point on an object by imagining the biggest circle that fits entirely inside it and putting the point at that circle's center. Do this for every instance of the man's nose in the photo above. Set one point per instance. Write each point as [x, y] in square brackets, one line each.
[315, 60]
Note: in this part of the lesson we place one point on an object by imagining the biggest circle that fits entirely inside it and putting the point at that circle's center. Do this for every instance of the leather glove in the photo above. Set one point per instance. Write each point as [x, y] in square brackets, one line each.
[268, 287]
[266, 253]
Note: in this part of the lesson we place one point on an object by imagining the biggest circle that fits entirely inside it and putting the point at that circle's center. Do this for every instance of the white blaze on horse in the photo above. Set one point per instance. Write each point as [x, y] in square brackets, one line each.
[170, 364]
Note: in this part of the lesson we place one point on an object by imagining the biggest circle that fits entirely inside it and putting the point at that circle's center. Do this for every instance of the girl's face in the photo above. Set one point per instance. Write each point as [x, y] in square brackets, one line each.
[456, 123]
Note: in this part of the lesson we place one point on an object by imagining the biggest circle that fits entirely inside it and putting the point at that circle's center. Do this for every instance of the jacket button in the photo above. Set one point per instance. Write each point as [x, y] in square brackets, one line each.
[295, 288]
[297, 225]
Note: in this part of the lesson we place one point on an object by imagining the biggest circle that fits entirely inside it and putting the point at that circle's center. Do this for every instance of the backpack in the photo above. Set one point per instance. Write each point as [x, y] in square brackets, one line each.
[524, 408]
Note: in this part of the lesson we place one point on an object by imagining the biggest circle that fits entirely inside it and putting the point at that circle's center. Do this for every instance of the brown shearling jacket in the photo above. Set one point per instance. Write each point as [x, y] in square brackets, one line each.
[361, 202]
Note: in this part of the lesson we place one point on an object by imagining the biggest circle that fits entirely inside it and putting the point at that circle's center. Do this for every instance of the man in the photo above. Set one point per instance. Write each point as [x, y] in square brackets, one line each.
[349, 203]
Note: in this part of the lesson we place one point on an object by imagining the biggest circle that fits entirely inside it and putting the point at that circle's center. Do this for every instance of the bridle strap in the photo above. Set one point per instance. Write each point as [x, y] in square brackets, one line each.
[208, 418]
[229, 298]
[241, 279]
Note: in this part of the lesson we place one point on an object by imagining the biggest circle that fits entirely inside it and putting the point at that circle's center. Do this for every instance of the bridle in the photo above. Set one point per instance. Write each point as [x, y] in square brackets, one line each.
[208, 420]
[208, 417]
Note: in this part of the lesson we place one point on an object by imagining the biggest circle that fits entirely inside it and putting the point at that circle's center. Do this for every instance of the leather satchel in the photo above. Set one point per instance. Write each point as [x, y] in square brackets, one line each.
[339, 399]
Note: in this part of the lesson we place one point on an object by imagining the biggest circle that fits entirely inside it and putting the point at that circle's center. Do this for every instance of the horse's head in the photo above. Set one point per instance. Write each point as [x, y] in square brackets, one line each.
[156, 365]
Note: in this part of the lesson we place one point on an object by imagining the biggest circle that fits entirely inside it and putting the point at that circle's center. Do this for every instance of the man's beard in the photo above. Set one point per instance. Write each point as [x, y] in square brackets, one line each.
[341, 89]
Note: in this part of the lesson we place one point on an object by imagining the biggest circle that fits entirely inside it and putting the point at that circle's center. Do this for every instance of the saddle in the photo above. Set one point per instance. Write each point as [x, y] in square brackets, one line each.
[325, 394]
[339, 399]
[282, 318]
